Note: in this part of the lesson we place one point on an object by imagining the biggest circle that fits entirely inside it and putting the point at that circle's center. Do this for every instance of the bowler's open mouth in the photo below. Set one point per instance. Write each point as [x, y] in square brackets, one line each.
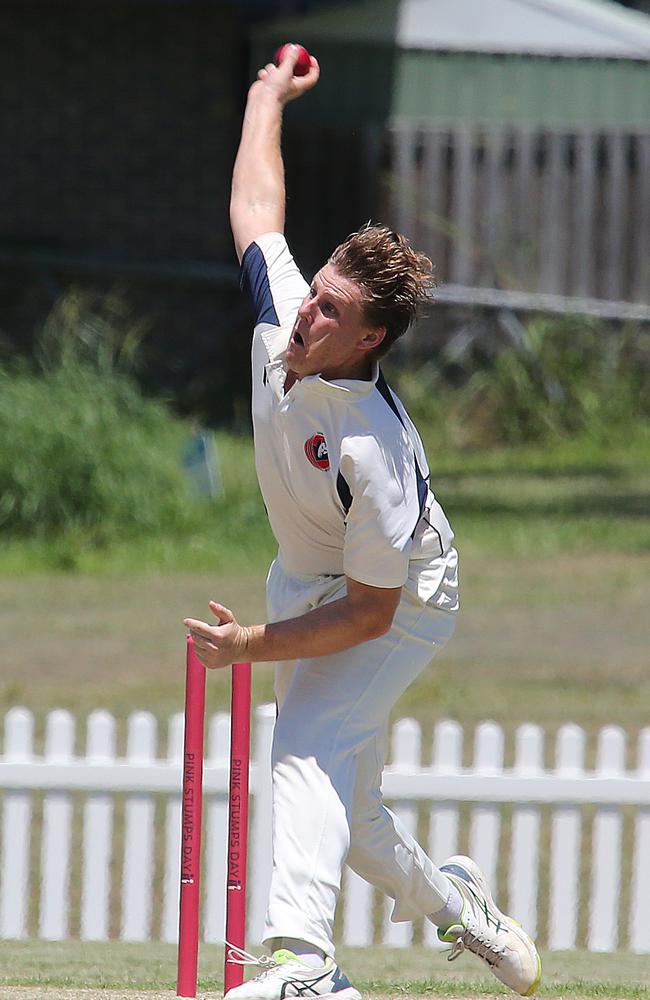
[297, 339]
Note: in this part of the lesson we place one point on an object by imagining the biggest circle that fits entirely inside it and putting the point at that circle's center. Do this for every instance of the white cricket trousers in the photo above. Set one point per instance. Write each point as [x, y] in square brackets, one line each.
[329, 750]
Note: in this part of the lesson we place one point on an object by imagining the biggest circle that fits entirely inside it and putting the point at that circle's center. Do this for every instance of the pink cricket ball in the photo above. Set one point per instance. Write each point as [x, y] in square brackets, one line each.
[303, 65]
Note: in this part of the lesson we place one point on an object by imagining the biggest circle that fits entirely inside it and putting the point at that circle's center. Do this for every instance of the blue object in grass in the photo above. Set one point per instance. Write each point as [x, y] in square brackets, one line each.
[201, 466]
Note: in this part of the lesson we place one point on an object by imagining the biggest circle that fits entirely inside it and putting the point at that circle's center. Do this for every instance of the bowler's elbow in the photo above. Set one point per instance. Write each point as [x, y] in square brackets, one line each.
[252, 218]
[375, 607]
[378, 626]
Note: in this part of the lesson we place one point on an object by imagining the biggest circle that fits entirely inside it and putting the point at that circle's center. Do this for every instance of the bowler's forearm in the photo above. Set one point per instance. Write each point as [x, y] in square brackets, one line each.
[326, 630]
[258, 174]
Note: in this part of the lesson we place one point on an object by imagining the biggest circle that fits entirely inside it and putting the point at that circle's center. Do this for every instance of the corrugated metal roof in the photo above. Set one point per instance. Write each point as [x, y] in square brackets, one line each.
[577, 28]
[548, 27]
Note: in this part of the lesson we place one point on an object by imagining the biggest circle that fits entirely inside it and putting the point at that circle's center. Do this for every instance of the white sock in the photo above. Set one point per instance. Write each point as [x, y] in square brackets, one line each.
[308, 954]
[450, 912]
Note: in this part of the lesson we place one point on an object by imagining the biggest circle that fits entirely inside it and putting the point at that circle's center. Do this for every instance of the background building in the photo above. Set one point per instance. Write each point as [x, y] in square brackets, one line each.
[511, 140]
[515, 147]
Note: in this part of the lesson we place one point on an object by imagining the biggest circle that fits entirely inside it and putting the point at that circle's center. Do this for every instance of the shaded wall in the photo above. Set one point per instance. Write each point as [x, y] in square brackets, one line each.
[118, 131]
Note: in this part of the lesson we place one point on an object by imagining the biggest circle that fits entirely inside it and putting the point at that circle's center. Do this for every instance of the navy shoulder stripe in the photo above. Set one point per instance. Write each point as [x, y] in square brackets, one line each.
[384, 391]
[422, 485]
[343, 491]
[254, 281]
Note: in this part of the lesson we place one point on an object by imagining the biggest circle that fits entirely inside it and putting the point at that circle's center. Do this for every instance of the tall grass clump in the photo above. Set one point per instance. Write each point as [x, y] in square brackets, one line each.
[82, 453]
[548, 380]
[564, 379]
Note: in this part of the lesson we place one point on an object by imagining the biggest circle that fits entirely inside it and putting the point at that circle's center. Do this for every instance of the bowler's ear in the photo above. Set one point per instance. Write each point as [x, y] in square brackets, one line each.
[372, 338]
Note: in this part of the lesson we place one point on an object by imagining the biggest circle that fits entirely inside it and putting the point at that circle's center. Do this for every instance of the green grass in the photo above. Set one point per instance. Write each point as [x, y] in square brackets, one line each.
[535, 641]
[376, 971]
[576, 496]
[541, 449]
[555, 569]
[555, 578]
[84, 455]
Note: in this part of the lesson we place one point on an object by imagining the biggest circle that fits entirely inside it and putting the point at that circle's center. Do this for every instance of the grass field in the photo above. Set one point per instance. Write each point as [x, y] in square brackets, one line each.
[576, 496]
[555, 584]
[114, 969]
[536, 641]
[555, 576]
[555, 555]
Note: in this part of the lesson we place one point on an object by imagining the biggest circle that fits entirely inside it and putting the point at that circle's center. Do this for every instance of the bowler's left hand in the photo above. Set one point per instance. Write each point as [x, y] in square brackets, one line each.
[218, 645]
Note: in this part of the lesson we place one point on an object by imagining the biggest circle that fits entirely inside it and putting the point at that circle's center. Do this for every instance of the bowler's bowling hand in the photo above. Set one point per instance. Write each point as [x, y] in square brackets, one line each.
[218, 645]
[280, 81]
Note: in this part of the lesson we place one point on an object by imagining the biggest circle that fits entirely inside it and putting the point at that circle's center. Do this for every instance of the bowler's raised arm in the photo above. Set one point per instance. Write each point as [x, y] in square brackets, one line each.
[258, 197]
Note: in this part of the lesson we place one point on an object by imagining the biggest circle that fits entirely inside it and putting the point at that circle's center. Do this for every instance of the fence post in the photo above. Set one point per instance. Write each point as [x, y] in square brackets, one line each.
[524, 246]
[434, 224]
[616, 188]
[97, 833]
[215, 851]
[641, 265]
[405, 179]
[172, 878]
[583, 214]
[358, 905]
[554, 205]
[493, 210]
[639, 927]
[462, 264]
[485, 828]
[57, 833]
[138, 835]
[260, 853]
[523, 871]
[566, 827]
[16, 825]
[606, 848]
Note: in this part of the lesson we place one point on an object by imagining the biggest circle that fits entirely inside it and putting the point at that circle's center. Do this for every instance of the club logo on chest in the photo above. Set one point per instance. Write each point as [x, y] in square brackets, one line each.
[316, 451]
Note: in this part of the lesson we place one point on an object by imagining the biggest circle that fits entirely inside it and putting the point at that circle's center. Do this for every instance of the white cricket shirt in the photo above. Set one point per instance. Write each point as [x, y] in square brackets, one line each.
[341, 467]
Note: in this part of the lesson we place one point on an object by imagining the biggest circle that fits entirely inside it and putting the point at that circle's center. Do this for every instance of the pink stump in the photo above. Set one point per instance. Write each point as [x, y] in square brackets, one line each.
[240, 722]
[188, 932]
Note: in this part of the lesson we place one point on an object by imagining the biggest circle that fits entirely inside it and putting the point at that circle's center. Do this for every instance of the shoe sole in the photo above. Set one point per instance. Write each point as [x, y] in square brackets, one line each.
[348, 994]
[477, 875]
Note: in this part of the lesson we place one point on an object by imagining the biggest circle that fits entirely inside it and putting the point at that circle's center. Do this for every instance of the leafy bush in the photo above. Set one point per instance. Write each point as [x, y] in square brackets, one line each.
[553, 379]
[81, 450]
[566, 378]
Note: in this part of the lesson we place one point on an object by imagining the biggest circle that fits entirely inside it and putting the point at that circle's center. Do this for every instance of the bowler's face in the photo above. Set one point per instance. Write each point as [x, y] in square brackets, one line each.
[330, 336]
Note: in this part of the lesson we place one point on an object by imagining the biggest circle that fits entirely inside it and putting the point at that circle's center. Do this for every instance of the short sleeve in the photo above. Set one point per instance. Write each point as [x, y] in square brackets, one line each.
[383, 512]
[272, 280]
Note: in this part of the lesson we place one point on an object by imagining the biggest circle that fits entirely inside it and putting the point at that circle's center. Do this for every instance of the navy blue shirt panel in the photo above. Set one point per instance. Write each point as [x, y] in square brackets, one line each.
[254, 282]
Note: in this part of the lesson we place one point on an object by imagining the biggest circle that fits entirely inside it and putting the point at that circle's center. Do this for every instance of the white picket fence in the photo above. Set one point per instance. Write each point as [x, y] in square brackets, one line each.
[552, 818]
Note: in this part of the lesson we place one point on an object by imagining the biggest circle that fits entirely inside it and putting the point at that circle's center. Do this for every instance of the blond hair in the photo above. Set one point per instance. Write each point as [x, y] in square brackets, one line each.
[395, 279]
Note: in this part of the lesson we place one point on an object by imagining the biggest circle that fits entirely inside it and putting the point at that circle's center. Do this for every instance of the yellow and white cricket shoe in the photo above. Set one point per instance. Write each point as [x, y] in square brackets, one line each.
[284, 975]
[482, 929]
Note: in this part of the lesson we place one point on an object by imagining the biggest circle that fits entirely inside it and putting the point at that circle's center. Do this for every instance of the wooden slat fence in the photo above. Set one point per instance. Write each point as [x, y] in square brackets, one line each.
[563, 213]
[567, 848]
